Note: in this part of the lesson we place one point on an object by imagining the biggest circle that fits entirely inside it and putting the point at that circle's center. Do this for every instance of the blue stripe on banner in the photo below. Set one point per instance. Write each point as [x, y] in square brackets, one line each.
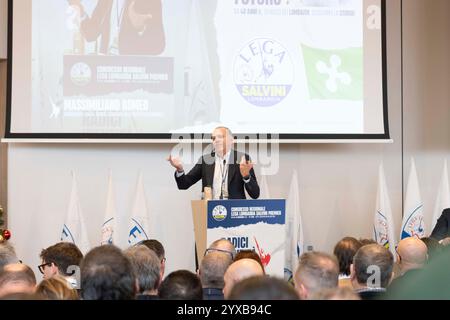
[140, 228]
[107, 222]
[405, 234]
[65, 228]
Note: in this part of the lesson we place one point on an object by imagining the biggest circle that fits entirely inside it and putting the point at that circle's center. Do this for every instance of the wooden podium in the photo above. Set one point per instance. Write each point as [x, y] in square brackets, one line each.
[199, 217]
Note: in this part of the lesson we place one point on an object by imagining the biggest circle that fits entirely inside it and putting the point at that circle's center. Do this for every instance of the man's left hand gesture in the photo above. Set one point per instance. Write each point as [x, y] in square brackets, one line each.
[245, 167]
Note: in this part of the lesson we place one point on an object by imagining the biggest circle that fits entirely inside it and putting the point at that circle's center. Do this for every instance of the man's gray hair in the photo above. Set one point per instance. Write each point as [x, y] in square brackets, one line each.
[317, 271]
[7, 255]
[212, 269]
[146, 265]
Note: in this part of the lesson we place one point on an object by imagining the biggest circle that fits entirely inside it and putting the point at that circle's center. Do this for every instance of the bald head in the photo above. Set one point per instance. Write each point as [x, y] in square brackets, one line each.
[238, 271]
[17, 278]
[225, 245]
[412, 252]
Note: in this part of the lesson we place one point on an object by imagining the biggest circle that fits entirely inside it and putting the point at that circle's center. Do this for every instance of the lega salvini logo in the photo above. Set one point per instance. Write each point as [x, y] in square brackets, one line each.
[263, 72]
[219, 213]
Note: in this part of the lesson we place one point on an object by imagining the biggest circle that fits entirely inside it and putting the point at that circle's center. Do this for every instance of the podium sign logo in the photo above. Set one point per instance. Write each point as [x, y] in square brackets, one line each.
[219, 213]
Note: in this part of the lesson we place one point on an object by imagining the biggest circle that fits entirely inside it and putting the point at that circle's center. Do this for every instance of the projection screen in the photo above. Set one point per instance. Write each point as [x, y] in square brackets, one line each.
[295, 69]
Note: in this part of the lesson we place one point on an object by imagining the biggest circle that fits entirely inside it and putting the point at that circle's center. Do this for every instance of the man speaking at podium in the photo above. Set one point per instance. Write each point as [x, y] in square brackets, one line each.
[225, 170]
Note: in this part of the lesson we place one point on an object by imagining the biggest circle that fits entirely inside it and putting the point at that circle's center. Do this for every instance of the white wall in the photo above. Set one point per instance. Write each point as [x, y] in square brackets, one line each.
[338, 181]
[3, 28]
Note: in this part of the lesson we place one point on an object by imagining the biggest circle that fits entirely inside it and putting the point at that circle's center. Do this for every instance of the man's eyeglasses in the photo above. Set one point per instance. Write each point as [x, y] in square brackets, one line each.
[42, 266]
[219, 250]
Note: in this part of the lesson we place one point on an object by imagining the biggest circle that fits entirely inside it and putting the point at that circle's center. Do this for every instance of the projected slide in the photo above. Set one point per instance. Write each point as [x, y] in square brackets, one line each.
[186, 66]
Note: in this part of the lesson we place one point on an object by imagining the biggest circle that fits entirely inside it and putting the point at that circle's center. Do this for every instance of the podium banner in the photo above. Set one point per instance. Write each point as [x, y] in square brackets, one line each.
[257, 225]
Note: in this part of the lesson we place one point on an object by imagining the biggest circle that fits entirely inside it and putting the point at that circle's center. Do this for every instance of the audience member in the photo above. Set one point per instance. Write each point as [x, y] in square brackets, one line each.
[147, 268]
[158, 248]
[371, 271]
[181, 285]
[316, 271]
[63, 258]
[339, 293]
[7, 255]
[17, 278]
[238, 271]
[212, 270]
[106, 274]
[250, 254]
[56, 288]
[344, 251]
[263, 288]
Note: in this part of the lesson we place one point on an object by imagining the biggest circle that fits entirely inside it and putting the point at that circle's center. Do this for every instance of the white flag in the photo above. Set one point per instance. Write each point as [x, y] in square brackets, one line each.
[443, 197]
[109, 222]
[294, 229]
[413, 223]
[383, 227]
[265, 193]
[139, 222]
[74, 229]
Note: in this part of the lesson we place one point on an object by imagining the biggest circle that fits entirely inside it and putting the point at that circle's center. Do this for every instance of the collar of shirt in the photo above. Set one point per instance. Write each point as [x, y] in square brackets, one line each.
[226, 157]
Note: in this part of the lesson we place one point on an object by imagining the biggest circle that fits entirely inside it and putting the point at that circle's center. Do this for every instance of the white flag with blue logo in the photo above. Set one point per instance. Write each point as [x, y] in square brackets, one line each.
[413, 219]
[139, 222]
[109, 222]
[443, 197]
[294, 229]
[383, 227]
[74, 229]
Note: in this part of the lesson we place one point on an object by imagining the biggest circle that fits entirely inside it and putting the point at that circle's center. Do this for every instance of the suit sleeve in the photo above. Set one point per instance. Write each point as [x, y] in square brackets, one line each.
[187, 180]
[440, 231]
[252, 186]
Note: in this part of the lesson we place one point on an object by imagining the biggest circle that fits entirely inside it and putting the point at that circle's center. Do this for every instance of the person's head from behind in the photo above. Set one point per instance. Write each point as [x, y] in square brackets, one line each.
[263, 288]
[62, 258]
[212, 269]
[250, 254]
[106, 274]
[316, 271]
[339, 293]
[372, 267]
[158, 248]
[56, 288]
[222, 139]
[7, 255]
[238, 271]
[147, 268]
[17, 278]
[366, 241]
[344, 251]
[434, 248]
[412, 253]
[223, 245]
[181, 285]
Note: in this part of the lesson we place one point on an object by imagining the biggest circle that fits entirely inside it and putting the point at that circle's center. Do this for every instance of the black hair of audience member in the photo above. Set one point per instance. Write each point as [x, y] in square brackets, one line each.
[433, 246]
[156, 246]
[369, 256]
[106, 274]
[249, 254]
[344, 251]
[263, 288]
[181, 285]
[63, 255]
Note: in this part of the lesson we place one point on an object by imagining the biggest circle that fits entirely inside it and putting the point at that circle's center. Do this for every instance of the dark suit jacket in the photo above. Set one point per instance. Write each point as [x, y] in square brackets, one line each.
[442, 228]
[204, 169]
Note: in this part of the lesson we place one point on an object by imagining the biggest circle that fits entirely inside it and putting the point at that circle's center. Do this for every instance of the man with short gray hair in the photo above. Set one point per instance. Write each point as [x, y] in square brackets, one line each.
[147, 268]
[7, 255]
[371, 271]
[211, 272]
[316, 271]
